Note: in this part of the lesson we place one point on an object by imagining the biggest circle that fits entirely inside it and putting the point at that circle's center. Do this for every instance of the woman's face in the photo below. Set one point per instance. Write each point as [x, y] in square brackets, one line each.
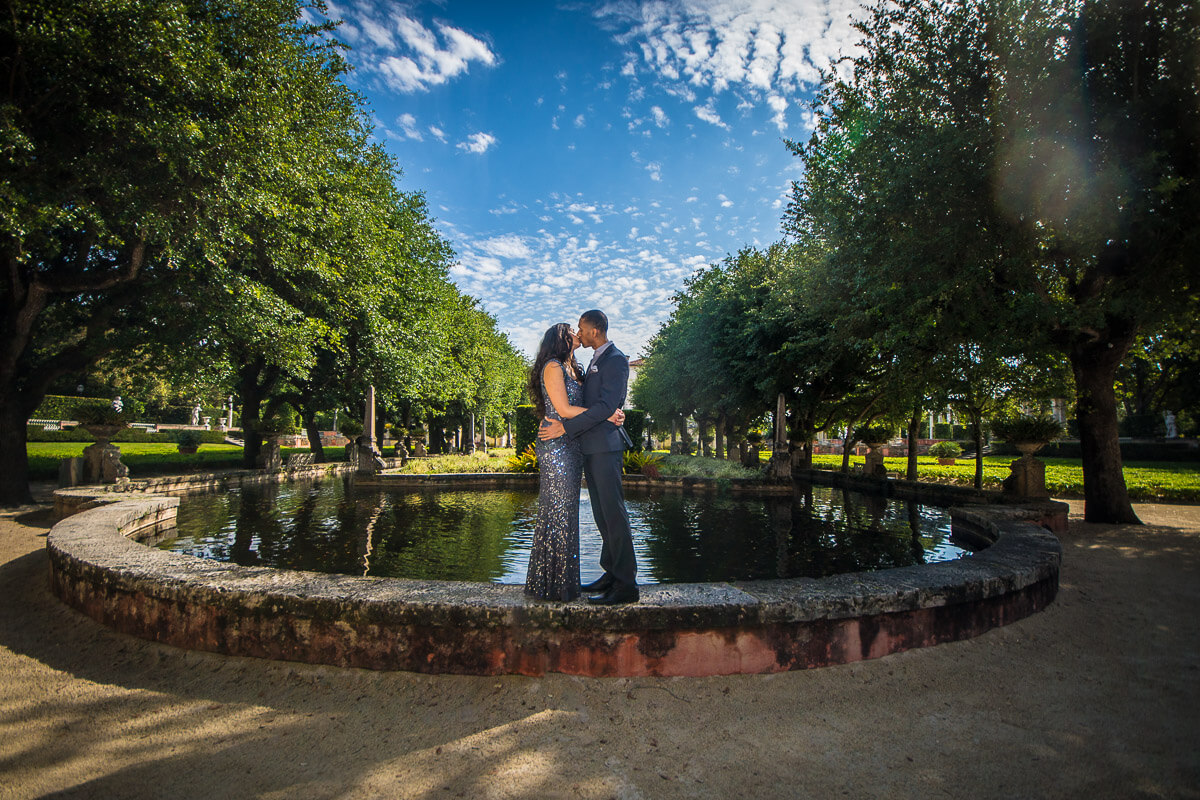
[574, 336]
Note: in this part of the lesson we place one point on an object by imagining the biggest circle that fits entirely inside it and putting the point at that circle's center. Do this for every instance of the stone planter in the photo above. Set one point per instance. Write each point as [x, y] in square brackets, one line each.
[947, 462]
[874, 461]
[1028, 478]
[188, 449]
[102, 460]
[103, 433]
[269, 457]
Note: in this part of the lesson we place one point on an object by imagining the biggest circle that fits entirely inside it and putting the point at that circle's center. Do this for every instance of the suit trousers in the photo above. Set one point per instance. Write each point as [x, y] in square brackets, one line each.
[603, 473]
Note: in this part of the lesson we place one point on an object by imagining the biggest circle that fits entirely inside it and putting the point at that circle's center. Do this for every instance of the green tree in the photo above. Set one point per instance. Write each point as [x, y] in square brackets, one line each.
[120, 164]
[1029, 167]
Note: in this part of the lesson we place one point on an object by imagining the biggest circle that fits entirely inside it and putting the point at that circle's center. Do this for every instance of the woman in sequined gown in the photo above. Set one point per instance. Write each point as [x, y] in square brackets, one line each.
[555, 388]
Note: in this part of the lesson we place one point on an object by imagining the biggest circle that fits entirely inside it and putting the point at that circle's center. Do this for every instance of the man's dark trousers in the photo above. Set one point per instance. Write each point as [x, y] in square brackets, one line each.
[603, 444]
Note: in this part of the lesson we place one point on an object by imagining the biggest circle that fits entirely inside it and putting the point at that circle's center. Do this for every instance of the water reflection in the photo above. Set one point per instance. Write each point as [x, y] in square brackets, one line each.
[485, 535]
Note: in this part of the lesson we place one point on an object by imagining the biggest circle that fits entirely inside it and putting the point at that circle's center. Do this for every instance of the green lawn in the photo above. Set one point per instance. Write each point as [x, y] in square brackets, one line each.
[150, 458]
[1146, 480]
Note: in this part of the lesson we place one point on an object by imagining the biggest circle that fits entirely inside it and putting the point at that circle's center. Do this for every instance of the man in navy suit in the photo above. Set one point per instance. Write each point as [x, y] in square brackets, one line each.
[603, 445]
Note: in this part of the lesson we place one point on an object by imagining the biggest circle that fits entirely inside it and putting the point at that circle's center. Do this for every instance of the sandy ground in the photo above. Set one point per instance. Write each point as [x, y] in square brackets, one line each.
[1097, 697]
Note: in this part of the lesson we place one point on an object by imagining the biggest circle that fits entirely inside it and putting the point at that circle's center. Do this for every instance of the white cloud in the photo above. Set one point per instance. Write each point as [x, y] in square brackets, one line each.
[725, 201]
[477, 143]
[779, 108]
[408, 124]
[506, 246]
[755, 49]
[438, 133]
[406, 55]
[660, 117]
[709, 114]
[579, 121]
[655, 170]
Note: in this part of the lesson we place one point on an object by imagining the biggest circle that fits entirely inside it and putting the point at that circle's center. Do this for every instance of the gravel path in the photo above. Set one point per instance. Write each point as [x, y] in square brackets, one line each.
[1097, 697]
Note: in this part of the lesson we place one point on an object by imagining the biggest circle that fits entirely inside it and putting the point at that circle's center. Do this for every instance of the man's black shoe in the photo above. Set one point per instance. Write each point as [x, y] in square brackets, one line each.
[601, 584]
[617, 594]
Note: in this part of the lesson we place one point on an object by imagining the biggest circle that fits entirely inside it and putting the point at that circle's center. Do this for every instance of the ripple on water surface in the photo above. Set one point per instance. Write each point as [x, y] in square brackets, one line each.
[331, 526]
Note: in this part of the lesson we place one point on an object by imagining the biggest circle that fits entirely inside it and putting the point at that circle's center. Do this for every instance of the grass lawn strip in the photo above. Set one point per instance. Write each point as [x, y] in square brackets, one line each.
[1146, 480]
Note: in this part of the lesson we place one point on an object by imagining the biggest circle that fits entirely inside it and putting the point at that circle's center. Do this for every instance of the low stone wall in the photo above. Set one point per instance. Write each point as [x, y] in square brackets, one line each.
[71, 501]
[486, 629]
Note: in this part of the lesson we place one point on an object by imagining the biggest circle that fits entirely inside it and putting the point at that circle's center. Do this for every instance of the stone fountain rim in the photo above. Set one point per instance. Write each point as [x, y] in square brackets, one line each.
[94, 545]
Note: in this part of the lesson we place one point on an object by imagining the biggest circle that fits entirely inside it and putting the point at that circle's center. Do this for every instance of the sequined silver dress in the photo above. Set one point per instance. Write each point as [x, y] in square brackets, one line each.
[554, 557]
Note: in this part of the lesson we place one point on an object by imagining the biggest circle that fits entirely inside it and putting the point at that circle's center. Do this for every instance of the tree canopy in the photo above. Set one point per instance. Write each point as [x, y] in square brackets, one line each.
[207, 198]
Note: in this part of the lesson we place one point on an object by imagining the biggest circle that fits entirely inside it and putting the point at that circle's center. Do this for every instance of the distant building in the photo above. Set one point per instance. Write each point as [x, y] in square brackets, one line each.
[634, 365]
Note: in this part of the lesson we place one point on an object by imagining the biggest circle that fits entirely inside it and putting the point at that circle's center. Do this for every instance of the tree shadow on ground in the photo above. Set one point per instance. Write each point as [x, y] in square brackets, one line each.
[1094, 696]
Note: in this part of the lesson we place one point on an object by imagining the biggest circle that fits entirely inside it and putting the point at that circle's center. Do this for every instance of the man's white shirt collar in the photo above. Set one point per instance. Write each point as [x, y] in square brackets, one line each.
[597, 353]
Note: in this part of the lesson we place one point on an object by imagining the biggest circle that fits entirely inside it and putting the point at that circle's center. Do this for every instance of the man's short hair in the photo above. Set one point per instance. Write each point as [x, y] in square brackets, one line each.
[596, 319]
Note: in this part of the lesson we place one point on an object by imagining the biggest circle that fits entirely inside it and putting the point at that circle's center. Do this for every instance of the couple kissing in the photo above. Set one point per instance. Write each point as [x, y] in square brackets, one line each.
[581, 435]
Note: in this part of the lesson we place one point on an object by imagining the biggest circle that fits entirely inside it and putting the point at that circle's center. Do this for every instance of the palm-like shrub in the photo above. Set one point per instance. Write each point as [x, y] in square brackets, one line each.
[945, 450]
[525, 461]
[637, 462]
[1027, 429]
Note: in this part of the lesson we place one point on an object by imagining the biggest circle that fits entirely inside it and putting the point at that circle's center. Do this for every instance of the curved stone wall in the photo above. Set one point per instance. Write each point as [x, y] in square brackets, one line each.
[486, 629]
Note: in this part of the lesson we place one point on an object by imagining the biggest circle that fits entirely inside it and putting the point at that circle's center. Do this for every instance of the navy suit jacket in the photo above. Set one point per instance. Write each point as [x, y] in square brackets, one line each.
[604, 389]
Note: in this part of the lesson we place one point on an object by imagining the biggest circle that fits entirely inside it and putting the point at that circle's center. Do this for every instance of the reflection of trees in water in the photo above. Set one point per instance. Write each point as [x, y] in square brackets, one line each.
[332, 528]
[447, 535]
[810, 534]
[689, 538]
[477, 535]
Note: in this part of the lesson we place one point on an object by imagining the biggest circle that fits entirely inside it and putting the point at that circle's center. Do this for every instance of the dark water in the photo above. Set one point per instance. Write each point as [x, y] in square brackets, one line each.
[485, 535]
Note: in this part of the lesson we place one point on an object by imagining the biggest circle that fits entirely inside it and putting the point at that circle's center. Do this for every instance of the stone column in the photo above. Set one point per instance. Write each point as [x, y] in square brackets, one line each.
[780, 467]
[369, 460]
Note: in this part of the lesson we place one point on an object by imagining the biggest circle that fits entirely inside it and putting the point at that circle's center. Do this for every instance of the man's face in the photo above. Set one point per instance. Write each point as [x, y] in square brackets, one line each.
[587, 334]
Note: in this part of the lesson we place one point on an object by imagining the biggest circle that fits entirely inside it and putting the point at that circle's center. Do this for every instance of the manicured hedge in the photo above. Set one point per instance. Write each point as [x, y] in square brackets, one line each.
[56, 406]
[635, 425]
[35, 433]
[525, 425]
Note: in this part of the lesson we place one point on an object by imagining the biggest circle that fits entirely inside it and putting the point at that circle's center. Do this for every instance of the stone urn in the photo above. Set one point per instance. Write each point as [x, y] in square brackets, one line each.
[1027, 480]
[102, 460]
[269, 457]
[873, 466]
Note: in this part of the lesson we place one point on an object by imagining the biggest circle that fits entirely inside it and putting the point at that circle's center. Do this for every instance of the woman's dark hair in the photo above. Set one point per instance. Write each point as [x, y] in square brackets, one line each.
[556, 345]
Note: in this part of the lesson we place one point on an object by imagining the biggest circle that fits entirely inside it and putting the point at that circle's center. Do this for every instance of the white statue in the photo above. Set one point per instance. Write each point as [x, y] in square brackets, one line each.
[196, 414]
[118, 404]
[1169, 422]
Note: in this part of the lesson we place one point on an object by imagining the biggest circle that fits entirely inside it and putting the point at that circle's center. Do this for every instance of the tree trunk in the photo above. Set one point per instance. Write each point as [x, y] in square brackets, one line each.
[732, 453]
[314, 435]
[977, 432]
[806, 453]
[14, 477]
[720, 436]
[1095, 365]
[914, 424]
[254, 381]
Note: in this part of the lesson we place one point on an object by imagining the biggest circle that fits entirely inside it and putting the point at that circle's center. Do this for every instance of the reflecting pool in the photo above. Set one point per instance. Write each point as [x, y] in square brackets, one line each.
[484, 535]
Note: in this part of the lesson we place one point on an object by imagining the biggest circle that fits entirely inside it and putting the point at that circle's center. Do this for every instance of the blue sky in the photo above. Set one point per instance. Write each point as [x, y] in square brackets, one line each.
[593, 155]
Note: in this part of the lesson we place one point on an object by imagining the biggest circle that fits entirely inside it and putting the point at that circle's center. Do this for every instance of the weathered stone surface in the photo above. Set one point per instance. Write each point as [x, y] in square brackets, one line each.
[478, 628]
